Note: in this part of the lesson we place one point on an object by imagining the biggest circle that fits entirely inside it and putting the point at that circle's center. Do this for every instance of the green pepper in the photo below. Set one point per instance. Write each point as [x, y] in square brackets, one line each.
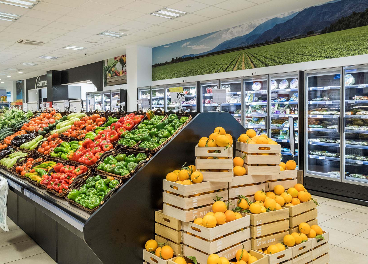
[162, 140]
[131, 158]
[141, 126]
[90, 185]
[97, 178]
[78, 199]
[160, 125]
[120, 157]
[131, 166]
[145, 137]
[155, 139]
[102, 167]
[122, 164]
[60, 150]
[65, 145]
[100, 186]
[118, 170]
[110, 168]
[128, 136]
[107, 181]
[101, 195]
[140, 157]
[124, 172]
[90, 179]
[73, 194]
[98, 129]
[64, 156]
[149, 127]
[173, 117]
[163, 134]
[83, 189]
[91, 191]
[84, 202]
[54, 155]
[184, 119]
[40, 172]
[169, 128]
[94, 201]
[113, 184]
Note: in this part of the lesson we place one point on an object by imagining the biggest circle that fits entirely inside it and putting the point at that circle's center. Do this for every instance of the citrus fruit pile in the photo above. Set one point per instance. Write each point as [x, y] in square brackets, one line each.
[242, 257]
[186, 176]
[219, 216]
[239, 169]
[219, 138]
[164, 252]
[289, 165]
[251, 137]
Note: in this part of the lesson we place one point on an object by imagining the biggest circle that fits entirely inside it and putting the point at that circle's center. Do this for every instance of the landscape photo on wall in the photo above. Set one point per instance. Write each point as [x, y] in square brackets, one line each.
[334, 29]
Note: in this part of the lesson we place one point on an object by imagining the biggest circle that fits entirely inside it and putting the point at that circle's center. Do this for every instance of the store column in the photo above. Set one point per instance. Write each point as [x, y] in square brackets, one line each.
[139, 72]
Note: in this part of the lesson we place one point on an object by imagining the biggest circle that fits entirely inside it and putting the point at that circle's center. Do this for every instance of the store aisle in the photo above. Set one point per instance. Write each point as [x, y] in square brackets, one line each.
[347, 224]
[18, 248]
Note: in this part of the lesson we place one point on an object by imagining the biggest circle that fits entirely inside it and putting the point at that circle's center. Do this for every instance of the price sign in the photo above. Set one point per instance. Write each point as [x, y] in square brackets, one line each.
[219, 96]
[176, 90]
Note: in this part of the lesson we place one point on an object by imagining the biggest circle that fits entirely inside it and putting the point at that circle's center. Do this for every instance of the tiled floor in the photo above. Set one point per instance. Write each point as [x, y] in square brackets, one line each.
[347, 224]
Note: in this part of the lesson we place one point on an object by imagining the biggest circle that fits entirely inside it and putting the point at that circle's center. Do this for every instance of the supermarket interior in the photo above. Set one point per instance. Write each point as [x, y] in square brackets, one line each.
[183, 131]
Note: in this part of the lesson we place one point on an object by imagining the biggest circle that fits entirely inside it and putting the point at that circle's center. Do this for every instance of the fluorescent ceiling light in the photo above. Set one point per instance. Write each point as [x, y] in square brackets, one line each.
[73, 48]
[48, 57]
[2, 82]
[112, 34]
[29, 64]
[8, 76]
[8, 17]
[169, 13]
[20, 3]
[20, 72]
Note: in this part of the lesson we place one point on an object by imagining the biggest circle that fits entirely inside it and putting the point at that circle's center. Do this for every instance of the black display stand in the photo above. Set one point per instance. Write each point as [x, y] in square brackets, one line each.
[117, 231]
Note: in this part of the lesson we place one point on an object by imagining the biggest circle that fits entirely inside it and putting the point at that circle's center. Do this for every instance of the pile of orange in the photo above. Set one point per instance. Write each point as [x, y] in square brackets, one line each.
[242, 257]
[239, 169]
[289, 165]
[219, 216]
[219, 138]
[251, 137]
[164, 252]
[299, 195]
[186, 176]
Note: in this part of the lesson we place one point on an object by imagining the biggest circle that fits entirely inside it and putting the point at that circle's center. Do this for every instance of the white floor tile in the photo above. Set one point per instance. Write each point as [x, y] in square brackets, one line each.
[42, 258]
[323, 218]
[340, 255]
[18, 251]
[340, 204]
[364, 235]
[344, 225]
[356, 217]
[356, 244]
[13, 237]
[332, 210]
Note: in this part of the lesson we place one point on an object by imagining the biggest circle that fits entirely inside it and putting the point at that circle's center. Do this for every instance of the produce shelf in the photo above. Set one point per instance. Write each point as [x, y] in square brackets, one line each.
[226, 104]
[254, 92]
[256, 103]
[324, 88]
[287, 102]
[337, 145]
[323, 116]
[284, 115]
[284, 90]
[325, 102]
[322, 129]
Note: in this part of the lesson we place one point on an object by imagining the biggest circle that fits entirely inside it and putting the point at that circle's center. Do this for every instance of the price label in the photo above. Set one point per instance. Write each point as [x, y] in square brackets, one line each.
[359, 162]
[176, 90]
[219, 96]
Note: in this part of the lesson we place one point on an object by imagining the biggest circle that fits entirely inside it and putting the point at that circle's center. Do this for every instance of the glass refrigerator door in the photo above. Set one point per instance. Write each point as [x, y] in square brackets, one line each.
[323, 115]
[98, 102]
[189, 103]
[284, 114]
[144, 94]
[255, 109]
[106, 101]
[158, 98]
[90, 102]
[356, 124]
[115, 100]
[207, 96]
[233, 97]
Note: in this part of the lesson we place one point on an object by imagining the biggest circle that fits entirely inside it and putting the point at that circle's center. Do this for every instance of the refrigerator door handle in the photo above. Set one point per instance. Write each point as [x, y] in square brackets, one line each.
[339, 125]
[343, 124]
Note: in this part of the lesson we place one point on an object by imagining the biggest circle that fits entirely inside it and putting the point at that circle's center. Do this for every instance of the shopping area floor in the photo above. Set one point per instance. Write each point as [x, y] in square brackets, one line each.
[347, 224]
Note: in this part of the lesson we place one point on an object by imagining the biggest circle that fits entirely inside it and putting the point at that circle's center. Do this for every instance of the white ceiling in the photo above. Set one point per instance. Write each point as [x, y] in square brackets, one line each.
[61, 23]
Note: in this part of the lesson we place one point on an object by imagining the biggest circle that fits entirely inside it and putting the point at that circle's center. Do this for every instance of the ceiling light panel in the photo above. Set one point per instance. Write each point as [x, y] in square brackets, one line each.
[112, 34]
[8, 17]
[169, 13]
[20, 3]
[29, 64]
[48, 57]
[73, 48]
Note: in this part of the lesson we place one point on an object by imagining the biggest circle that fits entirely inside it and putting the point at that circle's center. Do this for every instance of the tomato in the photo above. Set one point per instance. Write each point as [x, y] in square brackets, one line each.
[55, 135]
[41, 150]
[46, 148]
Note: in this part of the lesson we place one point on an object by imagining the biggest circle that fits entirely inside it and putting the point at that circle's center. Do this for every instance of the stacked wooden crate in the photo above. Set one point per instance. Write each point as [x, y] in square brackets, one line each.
[269, 228]
[287, 178]
[302, 253]
[320, 250]
[303, 213]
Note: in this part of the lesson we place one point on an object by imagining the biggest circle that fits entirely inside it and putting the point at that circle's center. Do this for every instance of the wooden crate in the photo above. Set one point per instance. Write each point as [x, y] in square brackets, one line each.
[254, 158]
[213, 240]
[322, 259]
[262, 169]
[269, 223]
[279, 257]
[152, 258]
[168, 221]
[168, 230]
[302, 208]
[261, 258]
[302, 213]
[187, 202]
[302, 248]
[247, 179]
[245, 190]
[168, 233]
[321, 247]
[258, 148]
[178, 248]
[227, 253]
[296, 229]
[215, 164]
[262, 242]
[286, 183]
[284, 175]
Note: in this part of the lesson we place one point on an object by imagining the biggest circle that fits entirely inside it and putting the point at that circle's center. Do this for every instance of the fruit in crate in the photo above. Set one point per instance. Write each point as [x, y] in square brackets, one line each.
[251, 137]
[186, 176]
[151, 245]
[219, 138]
[290, 165]
[180, 260]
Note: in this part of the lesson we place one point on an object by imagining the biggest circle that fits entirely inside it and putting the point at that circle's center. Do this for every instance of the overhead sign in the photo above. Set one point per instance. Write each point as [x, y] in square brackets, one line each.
[176, 90]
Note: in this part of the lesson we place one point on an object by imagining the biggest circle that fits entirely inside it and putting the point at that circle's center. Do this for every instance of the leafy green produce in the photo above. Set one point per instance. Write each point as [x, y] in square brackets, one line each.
[14, 118]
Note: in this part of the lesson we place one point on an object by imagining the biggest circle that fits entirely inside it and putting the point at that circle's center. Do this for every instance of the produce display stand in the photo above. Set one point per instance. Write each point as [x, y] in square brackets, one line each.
[117, 230]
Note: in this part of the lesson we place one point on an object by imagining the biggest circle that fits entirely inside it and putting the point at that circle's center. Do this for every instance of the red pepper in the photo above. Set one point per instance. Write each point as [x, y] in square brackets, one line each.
[137, 119]
[115, 126]
[113, 136]
[99, 154]
[104, 142]
[95, 150]
[107, 147]
[77, 155]
[121, 130]
[78, 171]
[58, 167]
[87, 142]
[128, 125]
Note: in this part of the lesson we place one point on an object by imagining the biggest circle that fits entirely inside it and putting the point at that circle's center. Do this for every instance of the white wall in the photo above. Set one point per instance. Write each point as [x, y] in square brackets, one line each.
[85, 88]
[9, 86]
[116, 87]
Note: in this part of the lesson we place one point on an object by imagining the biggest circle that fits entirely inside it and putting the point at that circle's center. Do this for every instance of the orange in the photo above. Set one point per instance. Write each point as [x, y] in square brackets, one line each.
[243, 204]
[282, 168]
[213, 136]
[158, 252]
[151, 245]
[192, 168]
[312, 233]
[243, 138]
[167, 252]
[239, 171]
[211, 213]
[183, 175]
[176, 172]
[230, 138]
[282, 164]
[295, 201]
[255, 208]
[197, 177]
[251, 133]
[224, 260]
[220, 218]
[270, 204]
[220, 130]
[202, 143]
[222, 141]
[278, 206]
[209, 221]
[204, 138]
[238, 216]
[263, 209]
[219, 206]
[293, 192]
[252, 259]
[242, 254]
[318, 229]
[230, 216]
[262, 140]
[279, 189]
[299, 187]
[289, 240]
[287, 197]
[290, 165]
[303, 196]
[180, 260]
[304, 228]
[272, 249]
[304, 237]
[280, 246]
[238, 161]
[211, 143]
[259, 196]
[213, 259]
[186, 182]
[279, 200]
[298, 238]
[171, 176]
[270, 195]
[198, 221]
[263, 135]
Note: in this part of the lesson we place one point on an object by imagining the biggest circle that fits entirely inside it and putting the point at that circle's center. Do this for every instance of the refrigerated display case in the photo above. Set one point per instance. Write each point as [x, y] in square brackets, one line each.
[323, 101]
[90, 102]
[207, 96]
[187, 101]
[284, 113]
[255, 103]
[158, 98]
[119, 99]
[233, 89]
[106, 101]
[144, 94]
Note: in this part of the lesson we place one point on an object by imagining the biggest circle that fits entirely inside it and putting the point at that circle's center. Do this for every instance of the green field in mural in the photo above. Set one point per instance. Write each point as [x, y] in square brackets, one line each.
[345, 43]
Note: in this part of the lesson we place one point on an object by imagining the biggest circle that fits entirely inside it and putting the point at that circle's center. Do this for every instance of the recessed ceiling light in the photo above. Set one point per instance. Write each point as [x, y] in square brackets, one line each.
[112, 34]
[20, 72]
[20, 3]
[48, 57]
[2, 82]
[8, 76]
[8, 17]
[29, 64]
[73, 48]
[169, 13]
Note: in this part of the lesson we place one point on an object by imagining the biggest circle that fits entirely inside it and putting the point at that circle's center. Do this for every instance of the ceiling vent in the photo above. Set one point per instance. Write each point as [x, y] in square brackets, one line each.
[30, 42]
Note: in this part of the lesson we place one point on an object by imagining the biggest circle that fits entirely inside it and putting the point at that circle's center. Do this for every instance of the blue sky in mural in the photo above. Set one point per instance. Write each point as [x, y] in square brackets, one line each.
[240, 35]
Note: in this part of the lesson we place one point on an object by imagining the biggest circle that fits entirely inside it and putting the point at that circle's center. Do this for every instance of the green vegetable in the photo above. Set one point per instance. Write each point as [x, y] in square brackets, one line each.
[131, 166]
[120, 157]
[113, 183]
[131, 158]
[101, 186]
[73, 195]
[140, 157]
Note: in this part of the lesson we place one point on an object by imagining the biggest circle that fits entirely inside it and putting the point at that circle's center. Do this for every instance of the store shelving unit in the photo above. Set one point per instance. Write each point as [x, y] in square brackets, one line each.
[144, 93]
[106, 101]
[187, 103]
